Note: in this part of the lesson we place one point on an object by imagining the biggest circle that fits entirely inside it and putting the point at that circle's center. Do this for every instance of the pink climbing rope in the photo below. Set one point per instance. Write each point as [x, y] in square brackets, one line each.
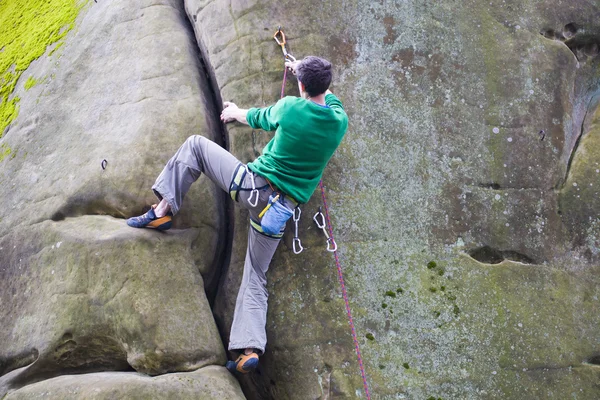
[345, 294]
[340, 274]
[283, 84]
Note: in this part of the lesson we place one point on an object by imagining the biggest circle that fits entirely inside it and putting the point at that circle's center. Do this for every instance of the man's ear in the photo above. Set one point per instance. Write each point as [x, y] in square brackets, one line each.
[301, 86]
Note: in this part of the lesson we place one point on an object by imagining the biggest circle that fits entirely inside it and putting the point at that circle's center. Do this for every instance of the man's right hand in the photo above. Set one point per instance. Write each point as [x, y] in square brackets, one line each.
[232, 112]
[292, 65]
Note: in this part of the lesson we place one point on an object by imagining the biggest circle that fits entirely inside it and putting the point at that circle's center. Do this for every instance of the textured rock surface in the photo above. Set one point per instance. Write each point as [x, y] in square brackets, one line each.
[80, 290]
[464, 200]
[444, 159]
[207, 383]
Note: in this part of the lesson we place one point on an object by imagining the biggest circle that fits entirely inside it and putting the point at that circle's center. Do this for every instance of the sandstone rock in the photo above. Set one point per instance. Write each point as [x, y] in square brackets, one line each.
[81, 290]
[443, 160]
[207, 383]
[469, 255]
[92, 295]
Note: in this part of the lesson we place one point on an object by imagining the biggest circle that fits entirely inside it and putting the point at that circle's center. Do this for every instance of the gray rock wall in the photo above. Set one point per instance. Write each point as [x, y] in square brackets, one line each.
[463, 201]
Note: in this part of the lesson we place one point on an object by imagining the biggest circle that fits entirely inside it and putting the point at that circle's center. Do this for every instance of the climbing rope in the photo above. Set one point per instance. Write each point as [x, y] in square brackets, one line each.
[280, 39]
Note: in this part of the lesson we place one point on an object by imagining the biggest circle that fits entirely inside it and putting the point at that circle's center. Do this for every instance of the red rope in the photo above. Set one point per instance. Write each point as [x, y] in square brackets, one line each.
[345, 294]
[340, 275]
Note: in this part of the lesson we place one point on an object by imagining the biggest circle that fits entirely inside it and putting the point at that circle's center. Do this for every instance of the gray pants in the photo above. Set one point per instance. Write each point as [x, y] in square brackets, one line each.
[199, 155]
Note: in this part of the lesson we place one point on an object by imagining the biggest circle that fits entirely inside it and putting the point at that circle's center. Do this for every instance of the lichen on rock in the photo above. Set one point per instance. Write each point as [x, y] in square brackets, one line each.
[27, 28]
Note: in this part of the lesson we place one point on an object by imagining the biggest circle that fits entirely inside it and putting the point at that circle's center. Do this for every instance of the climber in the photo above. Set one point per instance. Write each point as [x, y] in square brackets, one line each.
[308, 129]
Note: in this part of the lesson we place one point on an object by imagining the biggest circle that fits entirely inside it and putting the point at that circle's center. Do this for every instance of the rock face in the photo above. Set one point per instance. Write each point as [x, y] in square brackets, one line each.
[470, 258]
[211, 383]
[464, 203]
[81, 291]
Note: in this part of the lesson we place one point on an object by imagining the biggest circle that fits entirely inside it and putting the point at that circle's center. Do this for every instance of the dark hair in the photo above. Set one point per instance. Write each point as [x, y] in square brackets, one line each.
[315, 74]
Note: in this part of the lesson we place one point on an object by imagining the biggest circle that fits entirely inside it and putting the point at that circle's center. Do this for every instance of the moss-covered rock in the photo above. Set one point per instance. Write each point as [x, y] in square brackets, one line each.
[91, 294]
[27, 29]
[81, 290]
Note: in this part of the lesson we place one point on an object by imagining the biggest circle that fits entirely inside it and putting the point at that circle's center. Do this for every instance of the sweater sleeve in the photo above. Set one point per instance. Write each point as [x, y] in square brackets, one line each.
[332, 101]
[265, 118]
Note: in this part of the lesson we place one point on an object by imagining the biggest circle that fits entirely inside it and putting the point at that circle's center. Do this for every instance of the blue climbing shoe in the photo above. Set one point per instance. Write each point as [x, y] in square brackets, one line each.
[244, 363]
[150, 220]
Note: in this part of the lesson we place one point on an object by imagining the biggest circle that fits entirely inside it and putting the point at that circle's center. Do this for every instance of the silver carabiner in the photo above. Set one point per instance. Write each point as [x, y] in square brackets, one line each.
[329, 248]
[297, 241]
[254, 190]
[331, 244]
[296, 237]
[320, 225]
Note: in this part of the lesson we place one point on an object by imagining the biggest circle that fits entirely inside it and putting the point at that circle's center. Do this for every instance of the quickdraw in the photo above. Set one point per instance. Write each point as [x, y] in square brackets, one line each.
[296, 237]
[331, 244]
[279, 37]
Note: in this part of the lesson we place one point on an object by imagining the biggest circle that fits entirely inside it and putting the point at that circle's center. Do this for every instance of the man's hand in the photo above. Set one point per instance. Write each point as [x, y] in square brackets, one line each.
[292, 65]
[231, 113]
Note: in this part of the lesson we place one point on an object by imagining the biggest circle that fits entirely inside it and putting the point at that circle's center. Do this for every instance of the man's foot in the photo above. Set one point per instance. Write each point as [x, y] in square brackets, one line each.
[150, 220]
[244, 363]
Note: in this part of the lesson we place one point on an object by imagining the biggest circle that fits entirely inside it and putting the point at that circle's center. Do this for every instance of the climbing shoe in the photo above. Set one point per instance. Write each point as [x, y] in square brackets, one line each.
[244, 363]
[150, 220]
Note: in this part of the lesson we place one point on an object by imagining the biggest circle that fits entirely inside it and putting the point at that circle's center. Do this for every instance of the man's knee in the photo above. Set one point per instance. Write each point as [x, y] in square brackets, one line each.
[195, 139]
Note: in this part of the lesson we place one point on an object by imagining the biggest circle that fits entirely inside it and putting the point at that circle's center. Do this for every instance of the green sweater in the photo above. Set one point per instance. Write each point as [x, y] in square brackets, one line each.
[306, 136]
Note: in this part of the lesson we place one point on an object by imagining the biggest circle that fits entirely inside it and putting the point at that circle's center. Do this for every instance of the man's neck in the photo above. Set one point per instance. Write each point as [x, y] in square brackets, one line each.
[319, 99]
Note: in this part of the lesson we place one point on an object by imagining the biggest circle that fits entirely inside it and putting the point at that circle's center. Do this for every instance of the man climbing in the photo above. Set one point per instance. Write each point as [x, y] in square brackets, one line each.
[308, 129]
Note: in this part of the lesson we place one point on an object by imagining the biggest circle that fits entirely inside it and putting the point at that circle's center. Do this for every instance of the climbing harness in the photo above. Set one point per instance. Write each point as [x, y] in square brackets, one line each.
[328, 233]
[331, 245]
[297, 242]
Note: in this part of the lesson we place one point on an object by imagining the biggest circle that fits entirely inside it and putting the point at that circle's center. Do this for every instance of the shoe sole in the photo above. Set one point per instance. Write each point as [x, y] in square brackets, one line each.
[250, 364]
[161, 224]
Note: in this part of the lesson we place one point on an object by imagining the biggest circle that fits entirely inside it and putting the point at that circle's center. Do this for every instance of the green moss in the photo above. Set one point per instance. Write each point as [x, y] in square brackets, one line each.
[431, 264]
[451, 297]
[390, 293]
[441, 272]
[384, 305]
[27, 27]
[443, 288]
[400, 290]
[456, 310]
[406, 366]
[436, 314]
[4, 151]
[432, 289]
[58, 46]
[370, 336]
[381, 366]
[31, 82]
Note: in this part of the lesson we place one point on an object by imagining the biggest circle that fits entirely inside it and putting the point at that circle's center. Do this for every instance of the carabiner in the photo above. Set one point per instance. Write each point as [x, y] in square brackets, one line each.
[282, 41]
[320, 225]
[252, 193]
[329, 248]
[297, 240]
[254, 190]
